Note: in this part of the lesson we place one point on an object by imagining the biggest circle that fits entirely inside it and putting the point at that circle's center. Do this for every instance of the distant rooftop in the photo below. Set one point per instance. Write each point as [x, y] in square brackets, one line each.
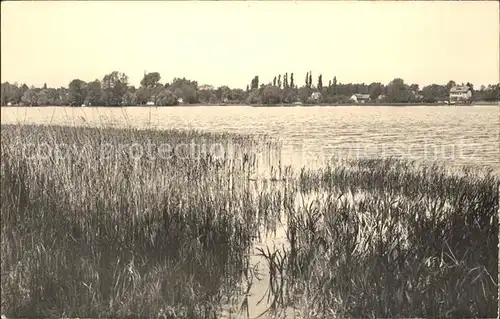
[459, 89]
[362, 96]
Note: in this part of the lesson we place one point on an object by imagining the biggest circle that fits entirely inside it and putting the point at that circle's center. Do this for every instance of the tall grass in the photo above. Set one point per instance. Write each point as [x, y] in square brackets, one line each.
[92, 235]
[122, 235]
[386, 238]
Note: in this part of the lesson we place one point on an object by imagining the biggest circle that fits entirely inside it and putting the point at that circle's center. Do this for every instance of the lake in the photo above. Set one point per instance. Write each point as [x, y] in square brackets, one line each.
[310, 135]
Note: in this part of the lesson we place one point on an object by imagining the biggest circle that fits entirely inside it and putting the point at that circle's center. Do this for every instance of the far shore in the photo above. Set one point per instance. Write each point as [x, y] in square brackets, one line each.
[372, 104]
[479, 103]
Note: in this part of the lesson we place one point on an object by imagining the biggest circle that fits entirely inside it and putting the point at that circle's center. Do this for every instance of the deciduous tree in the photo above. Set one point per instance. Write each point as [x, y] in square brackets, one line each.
[114, 86]
[29, 97]
[129, 99]
[166, 98]
[150, 80]
[94, 93]
[398, 91]
[271, 95]
[77, 92]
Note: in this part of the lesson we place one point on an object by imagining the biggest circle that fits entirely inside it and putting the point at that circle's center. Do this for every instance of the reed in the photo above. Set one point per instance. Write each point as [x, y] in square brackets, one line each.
[91, 228]
[388, 238]
[91, 234]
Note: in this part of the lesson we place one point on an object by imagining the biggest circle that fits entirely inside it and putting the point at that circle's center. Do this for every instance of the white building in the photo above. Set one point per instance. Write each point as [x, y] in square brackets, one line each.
[360, 98]
[460, 93]
[316, 96]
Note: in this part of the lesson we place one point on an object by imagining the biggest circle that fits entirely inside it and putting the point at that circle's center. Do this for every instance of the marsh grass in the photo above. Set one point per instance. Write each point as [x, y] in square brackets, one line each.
[387, 238]
[119, 236]
[90, 235]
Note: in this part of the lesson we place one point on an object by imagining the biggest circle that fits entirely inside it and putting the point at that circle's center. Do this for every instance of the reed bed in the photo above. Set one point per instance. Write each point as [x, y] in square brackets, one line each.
[112, 234]
[98, 230]
[388, 238]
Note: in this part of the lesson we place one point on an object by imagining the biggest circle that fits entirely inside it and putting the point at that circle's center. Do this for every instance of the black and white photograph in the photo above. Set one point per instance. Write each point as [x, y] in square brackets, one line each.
[250, 159]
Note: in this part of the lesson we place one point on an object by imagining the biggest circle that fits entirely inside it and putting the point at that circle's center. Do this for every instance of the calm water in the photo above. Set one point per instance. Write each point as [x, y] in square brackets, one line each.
[455, 135]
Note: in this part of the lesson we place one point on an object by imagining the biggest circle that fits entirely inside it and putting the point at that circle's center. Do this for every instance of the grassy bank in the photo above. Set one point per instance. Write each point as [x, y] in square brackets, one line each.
[93, 227]
[111, 234]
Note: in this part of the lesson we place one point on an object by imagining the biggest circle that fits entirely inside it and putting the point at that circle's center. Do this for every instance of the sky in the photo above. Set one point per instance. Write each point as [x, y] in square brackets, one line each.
[227, 43]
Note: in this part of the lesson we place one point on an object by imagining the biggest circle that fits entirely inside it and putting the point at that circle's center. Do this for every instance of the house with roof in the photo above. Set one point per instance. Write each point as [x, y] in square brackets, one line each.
[360, 98]
[461, 93]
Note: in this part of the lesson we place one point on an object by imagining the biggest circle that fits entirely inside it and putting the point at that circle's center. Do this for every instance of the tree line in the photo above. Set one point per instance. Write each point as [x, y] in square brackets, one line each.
[114, 89]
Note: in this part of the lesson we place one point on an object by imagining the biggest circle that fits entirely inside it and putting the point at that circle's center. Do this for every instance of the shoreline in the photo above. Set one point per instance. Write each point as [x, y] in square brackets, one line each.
[479, 103]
